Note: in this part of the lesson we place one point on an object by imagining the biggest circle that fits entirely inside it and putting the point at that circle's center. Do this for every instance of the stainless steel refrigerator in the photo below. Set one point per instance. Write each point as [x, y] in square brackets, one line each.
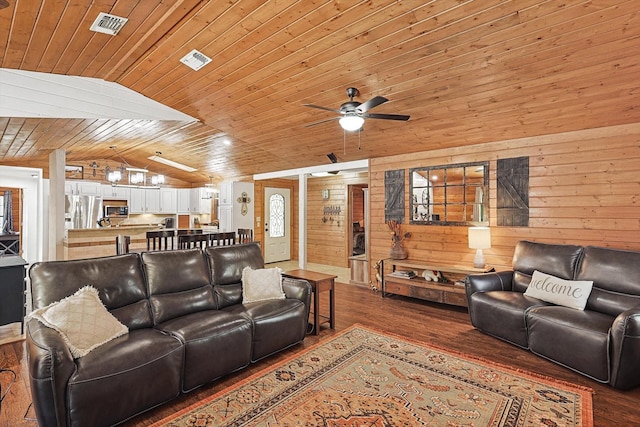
[82, 211]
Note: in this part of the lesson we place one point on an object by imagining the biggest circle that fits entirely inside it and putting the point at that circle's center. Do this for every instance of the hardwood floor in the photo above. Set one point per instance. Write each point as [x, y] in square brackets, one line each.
[437, 324]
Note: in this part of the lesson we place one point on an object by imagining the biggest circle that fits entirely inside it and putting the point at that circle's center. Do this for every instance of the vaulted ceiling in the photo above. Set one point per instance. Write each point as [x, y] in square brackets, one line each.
[466, 71]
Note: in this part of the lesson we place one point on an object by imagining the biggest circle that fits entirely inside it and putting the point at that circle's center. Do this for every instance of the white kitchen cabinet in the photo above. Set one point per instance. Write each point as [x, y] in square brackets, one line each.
[200, 201]
[184, 200]
[152, 200]
[137, 201]
[83, 188]
[168, 200]
[144, 200]
[115, 193]
[225, 218]
[226, 193]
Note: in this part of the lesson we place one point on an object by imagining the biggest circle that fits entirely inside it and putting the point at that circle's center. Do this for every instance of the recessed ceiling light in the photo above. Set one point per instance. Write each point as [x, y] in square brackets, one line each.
[226, 141]
[195, 60]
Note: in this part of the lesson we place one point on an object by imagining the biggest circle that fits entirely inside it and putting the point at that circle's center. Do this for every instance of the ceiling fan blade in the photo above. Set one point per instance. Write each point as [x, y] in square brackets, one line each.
[372, 103]
[386, 116]
[322, 121]
[322, 108]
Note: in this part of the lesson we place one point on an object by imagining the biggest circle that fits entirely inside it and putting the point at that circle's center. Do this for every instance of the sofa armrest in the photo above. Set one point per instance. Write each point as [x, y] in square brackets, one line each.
[625, 349]
[50, 366]
[499, 281]
[298, 289]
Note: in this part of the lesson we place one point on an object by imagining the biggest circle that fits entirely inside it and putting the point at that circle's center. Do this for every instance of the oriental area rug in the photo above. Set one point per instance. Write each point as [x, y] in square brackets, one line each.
[363, 377]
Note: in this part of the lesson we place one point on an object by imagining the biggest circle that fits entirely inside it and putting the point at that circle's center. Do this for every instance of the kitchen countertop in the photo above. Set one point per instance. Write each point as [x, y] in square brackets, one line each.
[123, 229]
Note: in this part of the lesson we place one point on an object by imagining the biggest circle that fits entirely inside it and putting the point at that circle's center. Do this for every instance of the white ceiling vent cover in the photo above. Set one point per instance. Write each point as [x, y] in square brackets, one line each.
[108, 24]
[195, 60]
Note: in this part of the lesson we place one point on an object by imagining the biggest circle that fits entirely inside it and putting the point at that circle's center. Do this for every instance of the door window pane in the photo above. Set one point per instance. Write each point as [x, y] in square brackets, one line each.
[276, 215]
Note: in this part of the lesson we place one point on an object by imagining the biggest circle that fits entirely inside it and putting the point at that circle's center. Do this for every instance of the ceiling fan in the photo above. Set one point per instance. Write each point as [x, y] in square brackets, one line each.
[353, 113]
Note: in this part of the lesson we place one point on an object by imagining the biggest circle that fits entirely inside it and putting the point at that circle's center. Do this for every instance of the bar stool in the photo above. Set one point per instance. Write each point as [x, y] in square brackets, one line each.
[156, 239]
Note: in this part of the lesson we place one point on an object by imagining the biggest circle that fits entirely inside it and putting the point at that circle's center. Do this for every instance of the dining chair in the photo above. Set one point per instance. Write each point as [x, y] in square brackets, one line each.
[189, 241]
[122, 244]
[223, 239]
[245, 235]
[189, 231]
[160, 240]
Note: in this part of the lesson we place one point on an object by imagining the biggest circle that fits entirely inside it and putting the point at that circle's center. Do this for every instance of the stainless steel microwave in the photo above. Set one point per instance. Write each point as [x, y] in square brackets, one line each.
[116, 211]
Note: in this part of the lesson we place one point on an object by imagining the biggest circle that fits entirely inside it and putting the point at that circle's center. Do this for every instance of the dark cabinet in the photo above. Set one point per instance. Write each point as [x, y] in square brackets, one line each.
[12, 290]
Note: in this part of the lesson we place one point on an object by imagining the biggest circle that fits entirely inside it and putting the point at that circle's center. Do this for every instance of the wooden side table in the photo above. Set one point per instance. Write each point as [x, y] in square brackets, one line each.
[319, 282]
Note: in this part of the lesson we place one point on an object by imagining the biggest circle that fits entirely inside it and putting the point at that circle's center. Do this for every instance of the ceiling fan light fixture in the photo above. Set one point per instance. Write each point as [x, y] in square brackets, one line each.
[351, 122]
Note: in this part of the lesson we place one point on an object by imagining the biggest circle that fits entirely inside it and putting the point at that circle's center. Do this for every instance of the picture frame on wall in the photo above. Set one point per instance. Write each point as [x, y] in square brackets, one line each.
[73, 172]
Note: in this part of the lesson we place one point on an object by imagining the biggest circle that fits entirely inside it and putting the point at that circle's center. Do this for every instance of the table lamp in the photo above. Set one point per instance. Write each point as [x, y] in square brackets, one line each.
[479, 239]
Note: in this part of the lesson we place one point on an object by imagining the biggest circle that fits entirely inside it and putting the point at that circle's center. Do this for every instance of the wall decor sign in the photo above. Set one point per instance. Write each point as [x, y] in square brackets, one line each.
[244, 200]
[394, 195]
[512, 176]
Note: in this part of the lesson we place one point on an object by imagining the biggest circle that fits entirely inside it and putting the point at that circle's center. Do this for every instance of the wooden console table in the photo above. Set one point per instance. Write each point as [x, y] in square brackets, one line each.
[445, 292]
[319, 282]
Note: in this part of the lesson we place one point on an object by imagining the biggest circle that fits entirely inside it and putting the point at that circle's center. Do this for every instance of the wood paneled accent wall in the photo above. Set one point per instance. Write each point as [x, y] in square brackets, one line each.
[584, 188]
[328, 242]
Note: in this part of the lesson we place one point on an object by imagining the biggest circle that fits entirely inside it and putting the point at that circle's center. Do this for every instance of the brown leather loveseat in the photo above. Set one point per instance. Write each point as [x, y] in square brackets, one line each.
[601, 342]
[187, 326]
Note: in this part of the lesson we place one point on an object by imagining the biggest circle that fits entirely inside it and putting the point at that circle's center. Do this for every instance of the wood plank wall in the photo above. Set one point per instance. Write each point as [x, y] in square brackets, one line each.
[328, 242]
[584, 189]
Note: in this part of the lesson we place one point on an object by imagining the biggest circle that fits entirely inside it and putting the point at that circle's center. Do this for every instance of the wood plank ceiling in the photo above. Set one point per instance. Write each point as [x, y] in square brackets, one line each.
[466, 71]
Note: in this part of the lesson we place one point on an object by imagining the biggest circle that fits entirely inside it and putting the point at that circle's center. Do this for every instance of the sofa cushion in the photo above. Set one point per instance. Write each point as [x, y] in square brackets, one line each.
[576, 339]
[226, 264]
[116, 381]
[616, 279]
[82, 320]
[216, 343]
[277, 324]
[558, 260]
[502, 314]
[178, 283]
[119, 279]
[568, 293]
[261, 284]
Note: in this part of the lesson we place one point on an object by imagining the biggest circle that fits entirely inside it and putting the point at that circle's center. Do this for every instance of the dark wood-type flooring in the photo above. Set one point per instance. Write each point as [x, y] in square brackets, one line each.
[441, 325]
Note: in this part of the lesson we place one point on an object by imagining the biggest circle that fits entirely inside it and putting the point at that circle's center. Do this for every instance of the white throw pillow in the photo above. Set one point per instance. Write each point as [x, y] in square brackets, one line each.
[82, 320]
[568, 293]
[262, 284]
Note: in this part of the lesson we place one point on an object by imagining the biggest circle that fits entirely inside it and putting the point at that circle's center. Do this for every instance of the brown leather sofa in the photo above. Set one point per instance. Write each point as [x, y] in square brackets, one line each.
[602, 342]
[187, 327]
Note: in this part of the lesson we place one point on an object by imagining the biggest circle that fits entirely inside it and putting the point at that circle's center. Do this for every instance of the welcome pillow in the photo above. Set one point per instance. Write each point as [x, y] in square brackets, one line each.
[568, 293]
[262, 284]
[82, 320]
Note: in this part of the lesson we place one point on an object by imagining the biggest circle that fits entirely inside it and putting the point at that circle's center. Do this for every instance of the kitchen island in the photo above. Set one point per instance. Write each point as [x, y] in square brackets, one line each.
[97, 242]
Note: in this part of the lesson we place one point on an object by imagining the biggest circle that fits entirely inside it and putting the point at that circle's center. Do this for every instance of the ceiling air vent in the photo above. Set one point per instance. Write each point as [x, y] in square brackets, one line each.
[108, 24]
[195, 60]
